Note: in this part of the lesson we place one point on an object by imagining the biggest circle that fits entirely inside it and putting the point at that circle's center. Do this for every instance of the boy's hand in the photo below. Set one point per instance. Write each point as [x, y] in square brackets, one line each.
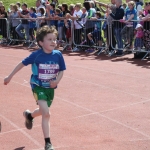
[53, 83]
[7, 80]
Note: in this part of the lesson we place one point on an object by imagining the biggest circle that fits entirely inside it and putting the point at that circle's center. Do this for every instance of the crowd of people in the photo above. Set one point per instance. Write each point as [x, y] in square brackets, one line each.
[125, 26]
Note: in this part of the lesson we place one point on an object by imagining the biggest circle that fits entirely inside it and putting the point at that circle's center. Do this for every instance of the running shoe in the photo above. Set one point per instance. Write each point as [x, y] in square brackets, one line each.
[28, 123]
[49, 146]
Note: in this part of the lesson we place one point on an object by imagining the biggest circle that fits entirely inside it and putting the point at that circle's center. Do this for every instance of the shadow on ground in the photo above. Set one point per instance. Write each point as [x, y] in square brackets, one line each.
[20, 148]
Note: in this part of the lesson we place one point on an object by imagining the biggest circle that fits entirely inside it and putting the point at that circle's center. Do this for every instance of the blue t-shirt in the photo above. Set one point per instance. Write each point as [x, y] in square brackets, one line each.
[32, 24]
[97, 24]
[129, 13]
[45, 67]
[52, 22]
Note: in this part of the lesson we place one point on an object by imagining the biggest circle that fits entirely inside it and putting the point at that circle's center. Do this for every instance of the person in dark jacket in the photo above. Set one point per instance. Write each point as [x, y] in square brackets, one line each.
[119, 14]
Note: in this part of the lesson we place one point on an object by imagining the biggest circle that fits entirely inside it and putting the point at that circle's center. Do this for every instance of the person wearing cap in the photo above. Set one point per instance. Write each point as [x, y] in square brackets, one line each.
[138, 43]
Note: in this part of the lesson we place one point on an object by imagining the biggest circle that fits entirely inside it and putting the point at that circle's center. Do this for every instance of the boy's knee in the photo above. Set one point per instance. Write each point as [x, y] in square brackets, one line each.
[46, 114]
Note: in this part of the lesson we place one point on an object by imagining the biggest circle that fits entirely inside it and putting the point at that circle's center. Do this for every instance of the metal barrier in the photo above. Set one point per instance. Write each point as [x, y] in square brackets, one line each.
[4, 30]
[19, 32]
[88, 36]
[130, 38]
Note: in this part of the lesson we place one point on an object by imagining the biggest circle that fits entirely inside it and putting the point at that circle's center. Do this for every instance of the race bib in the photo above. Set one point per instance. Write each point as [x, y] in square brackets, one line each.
[46, 72]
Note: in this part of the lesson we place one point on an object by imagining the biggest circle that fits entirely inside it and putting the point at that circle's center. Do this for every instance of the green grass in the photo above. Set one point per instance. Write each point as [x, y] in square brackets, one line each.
[32, 2]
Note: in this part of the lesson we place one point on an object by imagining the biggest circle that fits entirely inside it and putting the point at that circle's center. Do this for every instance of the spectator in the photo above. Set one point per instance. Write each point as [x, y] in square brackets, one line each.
[127, 31]
[119, 14]
[71, 8]
[138, 6]
[138, 43]
[3, 22]
[41, 18]
[32, 23]
[60, 25]
[24, 24]
[15, 22]
[47, 14]
[19, 6]
[65, 11]
[95, 36]
[52, 14]
[146, 29]
[111, 9]
[38, 6]
[77, 24]
[89, 26]
[92, 6]
[55, 2]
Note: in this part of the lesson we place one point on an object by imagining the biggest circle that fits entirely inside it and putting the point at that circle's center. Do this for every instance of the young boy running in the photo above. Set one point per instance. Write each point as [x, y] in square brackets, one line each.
[47, 70]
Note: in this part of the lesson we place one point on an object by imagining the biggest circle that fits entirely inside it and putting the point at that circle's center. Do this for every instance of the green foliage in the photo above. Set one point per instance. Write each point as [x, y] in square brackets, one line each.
[32, 2]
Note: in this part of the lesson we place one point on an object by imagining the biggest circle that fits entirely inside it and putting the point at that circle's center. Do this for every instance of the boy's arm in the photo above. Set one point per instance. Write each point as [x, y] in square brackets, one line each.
[16, 69]
[54, 83]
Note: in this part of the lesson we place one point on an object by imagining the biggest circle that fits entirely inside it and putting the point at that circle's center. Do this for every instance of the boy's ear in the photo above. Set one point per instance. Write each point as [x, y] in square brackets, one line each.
[40, 43]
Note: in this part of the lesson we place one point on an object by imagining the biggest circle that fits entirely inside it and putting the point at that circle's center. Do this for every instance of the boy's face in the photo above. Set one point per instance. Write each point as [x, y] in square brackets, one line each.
[130, 6]
[49, 42]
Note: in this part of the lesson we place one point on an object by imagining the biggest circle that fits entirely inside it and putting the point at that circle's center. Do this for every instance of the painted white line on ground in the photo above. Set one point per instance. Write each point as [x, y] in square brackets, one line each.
[107, 87]
[22, 131]
[10, 131]
[97, 113]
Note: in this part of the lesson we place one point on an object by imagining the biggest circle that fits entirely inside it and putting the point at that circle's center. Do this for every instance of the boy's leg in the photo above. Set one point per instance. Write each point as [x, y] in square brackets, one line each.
[44, 109]
[45, 117]
[36, 113]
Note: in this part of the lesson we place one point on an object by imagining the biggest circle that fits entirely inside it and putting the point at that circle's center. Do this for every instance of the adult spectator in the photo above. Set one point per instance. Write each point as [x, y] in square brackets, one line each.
[89, 25]
[38, 6]
[14, 22]
[138, 6]
[119, 14]
[3, 22]
[77, 24]
[24, 24]
[111, 8]
[146, 27]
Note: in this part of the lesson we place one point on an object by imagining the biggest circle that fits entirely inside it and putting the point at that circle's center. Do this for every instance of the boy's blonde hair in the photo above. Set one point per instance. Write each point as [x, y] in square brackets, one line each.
[78, 5]
[43, 31]
[131, 3]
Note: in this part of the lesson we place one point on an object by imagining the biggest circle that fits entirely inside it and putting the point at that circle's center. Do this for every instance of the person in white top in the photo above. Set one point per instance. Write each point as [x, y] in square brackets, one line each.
[38, 6]
[77, 24]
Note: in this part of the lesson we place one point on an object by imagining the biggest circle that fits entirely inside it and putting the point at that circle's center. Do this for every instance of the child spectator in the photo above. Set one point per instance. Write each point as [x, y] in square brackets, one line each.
[71, 8]
[138, 43]
[95, 36]
[68, 33]
[19, 8]
[60, 25]
[128, 31]
[47, 70]
[32, 23]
